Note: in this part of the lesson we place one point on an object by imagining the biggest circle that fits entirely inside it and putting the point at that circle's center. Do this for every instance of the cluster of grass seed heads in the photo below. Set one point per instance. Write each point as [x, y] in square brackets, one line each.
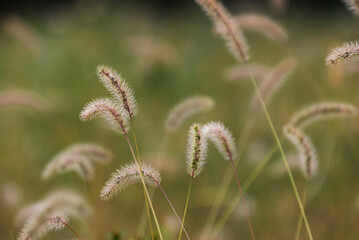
[262, 24]
[128, 175]
[346, 52]
[186, 109]
[322, 111]
[196, 150]
[222, 138]
[273, 81]
[305, 148]
[226, 27]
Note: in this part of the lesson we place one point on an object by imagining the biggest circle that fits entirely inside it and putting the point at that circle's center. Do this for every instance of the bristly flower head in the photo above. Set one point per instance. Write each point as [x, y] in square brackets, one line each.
[346, 52]
[128, 175]
[119, 89]
[262, 24]
[69, 162]
[92, 151]
[321, 111]
[353, 5]
[226, 27]
[38, 226]
[185, 109]
[305, 149]
[196, 150]
[273, 81]
[107, 109]
[222, 139]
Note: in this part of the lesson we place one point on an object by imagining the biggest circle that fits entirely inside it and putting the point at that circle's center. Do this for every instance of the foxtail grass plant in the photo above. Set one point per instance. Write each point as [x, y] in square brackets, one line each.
[223, 21]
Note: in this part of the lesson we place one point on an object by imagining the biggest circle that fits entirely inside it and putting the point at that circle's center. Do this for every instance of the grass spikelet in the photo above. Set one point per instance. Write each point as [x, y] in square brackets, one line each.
[92, 151]
[22, 98]
[38, 227]
[186, 109]
[222, 139]
[128, 175]
[107, 109]
[305, 148]
[11, 194]
[196, 150]
[69, 162]
[226, 28]
[243, 71]
[273, 81]
[119, 89]
[346, 52]
[262, 24]
[61, 199]
[353, 6]
[320, 111]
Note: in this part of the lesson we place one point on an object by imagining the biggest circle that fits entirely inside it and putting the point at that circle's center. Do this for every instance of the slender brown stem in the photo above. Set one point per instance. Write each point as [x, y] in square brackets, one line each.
[243, 200]
[68, 226]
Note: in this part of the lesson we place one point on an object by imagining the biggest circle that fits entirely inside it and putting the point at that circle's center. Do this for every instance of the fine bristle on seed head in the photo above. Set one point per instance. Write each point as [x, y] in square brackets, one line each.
[353, 6]
[347, 52]
[119, 89]
[107, 109]
[128, 175]
[222, 138]
[186, 109]
[196, 150]
[321, 111]
[305, 148]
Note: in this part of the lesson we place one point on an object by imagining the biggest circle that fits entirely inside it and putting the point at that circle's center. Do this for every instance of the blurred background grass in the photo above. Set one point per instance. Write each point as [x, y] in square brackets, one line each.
[60, 66]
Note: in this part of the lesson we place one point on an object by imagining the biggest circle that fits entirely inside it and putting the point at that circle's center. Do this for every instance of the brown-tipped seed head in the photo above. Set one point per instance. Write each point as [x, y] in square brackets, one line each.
[305, 148]
[346, 52]
[39, 226]
[262, 24]
[226, 28]
[119, 89]
[273, 81]
[321, 111]
[128, 175]
[185, 109]
[222, 138]
[353, 5]
[196, 150]
[107, 109]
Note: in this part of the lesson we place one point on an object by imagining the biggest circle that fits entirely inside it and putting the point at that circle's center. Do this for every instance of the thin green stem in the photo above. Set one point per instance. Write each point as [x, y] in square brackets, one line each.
[264, 108]
[186, 207]
[226, 180]
[232, 206]
[300, 219]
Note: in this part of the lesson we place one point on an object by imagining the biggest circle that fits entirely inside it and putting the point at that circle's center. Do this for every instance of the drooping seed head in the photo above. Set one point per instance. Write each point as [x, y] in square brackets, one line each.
[321, 111]
[39, 226]
[262, 24]
[21, 98]
[107, 109]
[196, 150]
[92, 151]
[69, 162]
[273, 81]
[61, 199]
[346, 52]
[305, 148]
[353, 5]
[226, 28]
[128, 175]
[119, 89]
[238, 72]
[186, 109]
[11, 194]
[222, 138]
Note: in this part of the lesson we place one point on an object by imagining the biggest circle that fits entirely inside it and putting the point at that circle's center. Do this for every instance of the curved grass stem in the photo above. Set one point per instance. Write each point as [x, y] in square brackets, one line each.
[300, 219]
[185, 208]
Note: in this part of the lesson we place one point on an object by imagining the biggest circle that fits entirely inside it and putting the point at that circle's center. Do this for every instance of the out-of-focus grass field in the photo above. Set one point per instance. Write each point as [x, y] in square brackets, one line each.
[72, 42]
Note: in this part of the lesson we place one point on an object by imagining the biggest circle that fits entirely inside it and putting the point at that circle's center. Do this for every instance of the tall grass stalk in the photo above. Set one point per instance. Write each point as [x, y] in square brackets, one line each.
[232, 206]
[264, 108]
[186, 207]
[300, 219]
